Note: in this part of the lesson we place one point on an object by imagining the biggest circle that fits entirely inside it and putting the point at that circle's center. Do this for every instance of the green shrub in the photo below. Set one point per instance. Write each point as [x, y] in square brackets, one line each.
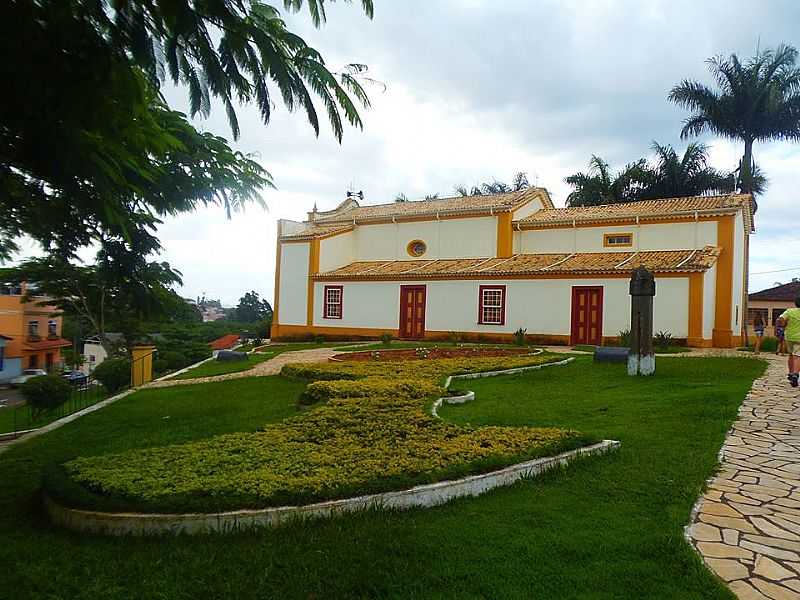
[114, 374]
[319, 339]
[372, 435]
[46, 392]
[662, 340]
[320, 391]
[519, 336]
[624, 338]
[386, 339]
[454, 337]
[173, 359]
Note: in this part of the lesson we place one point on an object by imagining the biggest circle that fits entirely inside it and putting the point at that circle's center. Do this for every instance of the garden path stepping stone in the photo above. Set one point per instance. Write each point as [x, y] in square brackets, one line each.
[747, 524]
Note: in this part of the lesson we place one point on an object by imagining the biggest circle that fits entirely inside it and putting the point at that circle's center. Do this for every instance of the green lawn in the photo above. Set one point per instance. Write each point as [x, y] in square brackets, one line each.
[667, 350]
[216, 367]
[24, 420]
[604, 528]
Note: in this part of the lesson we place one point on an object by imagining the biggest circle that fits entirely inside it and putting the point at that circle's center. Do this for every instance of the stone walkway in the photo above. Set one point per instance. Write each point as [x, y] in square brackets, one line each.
[272, 366]
[747, 525]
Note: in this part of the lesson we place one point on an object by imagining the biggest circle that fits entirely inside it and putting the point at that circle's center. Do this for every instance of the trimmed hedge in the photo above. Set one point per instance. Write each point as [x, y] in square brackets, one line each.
[114, 374]
[46, 392]
[319, 391]
[374, 434]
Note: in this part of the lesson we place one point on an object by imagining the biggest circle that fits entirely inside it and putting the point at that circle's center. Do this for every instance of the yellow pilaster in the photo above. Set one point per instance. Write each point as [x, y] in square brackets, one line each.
[723, 334]
[505, 238]
[313, 269]
[695, 338]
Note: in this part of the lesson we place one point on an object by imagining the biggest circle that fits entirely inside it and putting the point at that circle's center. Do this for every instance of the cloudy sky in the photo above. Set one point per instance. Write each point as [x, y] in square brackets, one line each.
[479, 89]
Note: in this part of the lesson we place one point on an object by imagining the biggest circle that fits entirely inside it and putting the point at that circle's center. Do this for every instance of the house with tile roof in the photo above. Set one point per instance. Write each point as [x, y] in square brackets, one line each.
[30, 331]
[485, 266]
[770, 303]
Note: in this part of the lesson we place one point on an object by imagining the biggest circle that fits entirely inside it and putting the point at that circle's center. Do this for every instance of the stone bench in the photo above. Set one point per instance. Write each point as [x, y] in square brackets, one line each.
[610, 354]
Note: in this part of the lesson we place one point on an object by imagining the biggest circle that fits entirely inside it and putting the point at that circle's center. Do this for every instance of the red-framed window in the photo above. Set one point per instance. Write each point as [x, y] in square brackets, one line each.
[492, 305]
[332, 301]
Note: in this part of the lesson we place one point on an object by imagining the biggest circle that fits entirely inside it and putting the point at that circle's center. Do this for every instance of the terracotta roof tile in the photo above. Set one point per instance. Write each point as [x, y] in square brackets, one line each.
[225, 342]
[312, 230]
[350, 211]
[781, 293]
[665, 208]
[666, 261]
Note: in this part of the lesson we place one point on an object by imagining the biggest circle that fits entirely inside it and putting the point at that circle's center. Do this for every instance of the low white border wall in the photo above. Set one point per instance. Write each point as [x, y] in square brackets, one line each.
[119, 524]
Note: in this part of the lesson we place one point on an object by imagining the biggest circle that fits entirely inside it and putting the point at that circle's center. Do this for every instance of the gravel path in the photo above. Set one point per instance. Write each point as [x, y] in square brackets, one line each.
[268, 367]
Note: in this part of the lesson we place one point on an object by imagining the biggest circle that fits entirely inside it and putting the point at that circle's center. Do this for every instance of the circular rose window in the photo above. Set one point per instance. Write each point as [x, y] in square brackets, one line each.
[416, 248]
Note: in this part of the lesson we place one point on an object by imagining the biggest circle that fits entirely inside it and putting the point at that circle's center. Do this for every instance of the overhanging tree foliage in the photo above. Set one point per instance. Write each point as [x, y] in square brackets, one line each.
[89, 151]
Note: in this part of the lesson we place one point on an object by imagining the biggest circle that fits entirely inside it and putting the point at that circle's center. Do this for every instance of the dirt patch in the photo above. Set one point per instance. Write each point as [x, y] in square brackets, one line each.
[429, 353]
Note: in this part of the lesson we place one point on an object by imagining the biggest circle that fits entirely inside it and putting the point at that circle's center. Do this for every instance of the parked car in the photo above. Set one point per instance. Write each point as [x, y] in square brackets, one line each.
[27, 374]
[75, 377]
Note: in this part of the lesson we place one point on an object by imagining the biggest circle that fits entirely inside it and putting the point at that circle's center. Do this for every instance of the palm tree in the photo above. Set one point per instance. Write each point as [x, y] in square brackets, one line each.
[601, 186]
[758, 100]
[518, 183]
[689, 175]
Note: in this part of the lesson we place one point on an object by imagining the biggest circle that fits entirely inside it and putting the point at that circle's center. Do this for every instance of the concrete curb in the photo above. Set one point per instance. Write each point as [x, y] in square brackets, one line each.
[120, 524]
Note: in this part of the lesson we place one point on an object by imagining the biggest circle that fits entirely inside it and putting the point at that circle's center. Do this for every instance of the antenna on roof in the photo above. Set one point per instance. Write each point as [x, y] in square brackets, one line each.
[359, 194]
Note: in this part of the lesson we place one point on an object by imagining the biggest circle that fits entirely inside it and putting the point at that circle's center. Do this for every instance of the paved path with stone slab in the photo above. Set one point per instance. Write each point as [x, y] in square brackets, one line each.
[747, 525]
[272, 366]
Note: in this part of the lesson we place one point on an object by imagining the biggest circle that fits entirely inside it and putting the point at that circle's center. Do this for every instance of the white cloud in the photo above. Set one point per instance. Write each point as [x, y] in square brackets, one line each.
[481, 89]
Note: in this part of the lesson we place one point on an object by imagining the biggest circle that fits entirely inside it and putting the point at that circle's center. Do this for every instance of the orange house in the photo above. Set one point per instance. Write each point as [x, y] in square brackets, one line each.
[31, 332]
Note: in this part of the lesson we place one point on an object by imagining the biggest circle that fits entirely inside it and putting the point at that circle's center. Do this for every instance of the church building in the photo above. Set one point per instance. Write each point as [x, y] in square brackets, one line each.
[486, 266]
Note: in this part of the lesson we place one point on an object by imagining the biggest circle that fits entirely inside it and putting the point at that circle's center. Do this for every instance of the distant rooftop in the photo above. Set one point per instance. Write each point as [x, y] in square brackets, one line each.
[780, 293]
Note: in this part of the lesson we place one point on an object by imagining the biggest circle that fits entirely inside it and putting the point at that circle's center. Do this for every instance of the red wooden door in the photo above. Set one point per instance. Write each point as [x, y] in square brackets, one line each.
[412, 311]
[587, 315]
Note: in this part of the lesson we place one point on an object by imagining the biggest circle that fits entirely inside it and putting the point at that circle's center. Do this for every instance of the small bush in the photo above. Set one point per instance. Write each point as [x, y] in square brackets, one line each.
[519, 336]
[319, 339]
[46, 392]
[386, 339]
[662, 340]
[454, 337]
[625, 338]
[319, 391]
[114, 374]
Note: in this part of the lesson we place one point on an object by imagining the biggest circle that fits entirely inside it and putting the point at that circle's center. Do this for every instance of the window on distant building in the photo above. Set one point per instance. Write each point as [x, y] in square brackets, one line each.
[617, 240]
[492, 305]
[333, 302]
[33, 329]
[52, 327]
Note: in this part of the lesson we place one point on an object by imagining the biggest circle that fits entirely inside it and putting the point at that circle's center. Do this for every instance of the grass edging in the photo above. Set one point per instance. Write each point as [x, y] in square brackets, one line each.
[432, 494]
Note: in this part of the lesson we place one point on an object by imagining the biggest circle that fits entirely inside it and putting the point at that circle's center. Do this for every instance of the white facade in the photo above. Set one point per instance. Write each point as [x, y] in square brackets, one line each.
[93, 355]
[351, 258]
[535, 305]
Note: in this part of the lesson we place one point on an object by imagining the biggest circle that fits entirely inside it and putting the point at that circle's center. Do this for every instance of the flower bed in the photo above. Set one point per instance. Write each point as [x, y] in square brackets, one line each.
[373, 434]
[430, 352]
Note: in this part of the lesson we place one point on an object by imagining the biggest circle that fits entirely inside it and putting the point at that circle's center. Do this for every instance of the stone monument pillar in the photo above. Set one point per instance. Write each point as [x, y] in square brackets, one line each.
[641, 358]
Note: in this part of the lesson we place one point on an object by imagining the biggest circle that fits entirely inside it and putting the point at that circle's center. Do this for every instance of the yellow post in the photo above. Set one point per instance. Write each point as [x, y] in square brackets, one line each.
[142, 365]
